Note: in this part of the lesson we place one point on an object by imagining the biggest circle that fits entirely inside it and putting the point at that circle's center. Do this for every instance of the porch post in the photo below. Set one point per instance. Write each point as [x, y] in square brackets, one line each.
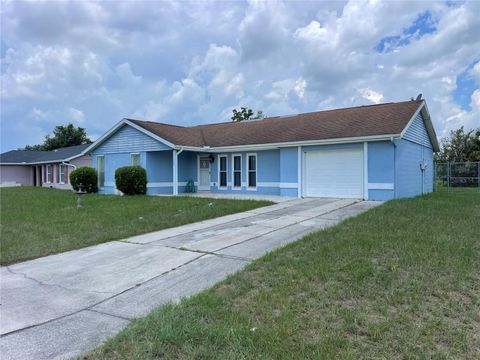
[365, 170]
[175, 172]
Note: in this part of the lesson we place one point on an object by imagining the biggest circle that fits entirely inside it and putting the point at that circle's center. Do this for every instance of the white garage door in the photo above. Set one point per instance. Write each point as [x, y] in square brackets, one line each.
[334, 173]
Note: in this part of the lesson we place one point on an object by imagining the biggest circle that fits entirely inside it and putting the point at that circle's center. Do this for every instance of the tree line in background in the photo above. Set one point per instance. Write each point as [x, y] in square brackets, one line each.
[63, 136]
[460, 146]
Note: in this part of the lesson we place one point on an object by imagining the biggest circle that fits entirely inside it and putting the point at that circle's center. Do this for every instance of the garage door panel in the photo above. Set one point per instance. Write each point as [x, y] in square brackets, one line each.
[334, 173]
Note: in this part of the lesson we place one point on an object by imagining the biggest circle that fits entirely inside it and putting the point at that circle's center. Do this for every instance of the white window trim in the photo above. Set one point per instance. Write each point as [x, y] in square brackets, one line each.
[233, 172]
[248, 172]
[98, 180]
[139, 158]
[48, 170]
[226, 172]
[61, 179]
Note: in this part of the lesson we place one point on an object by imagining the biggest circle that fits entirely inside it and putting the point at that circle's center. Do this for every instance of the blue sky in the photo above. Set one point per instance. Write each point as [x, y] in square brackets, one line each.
[93, 63]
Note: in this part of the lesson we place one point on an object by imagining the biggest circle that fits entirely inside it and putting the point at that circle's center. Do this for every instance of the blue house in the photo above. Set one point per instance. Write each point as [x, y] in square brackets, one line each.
[376, 152]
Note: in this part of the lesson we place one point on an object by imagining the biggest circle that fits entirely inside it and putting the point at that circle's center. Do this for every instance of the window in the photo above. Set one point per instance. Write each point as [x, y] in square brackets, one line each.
[61, 180]
[252, 171]
[237, 171]
[101, 171]
[135, 159]
[222, 171]
[49, 174]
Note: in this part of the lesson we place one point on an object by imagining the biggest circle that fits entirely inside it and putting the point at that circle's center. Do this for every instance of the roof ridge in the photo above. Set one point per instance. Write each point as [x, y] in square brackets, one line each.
[157, 123]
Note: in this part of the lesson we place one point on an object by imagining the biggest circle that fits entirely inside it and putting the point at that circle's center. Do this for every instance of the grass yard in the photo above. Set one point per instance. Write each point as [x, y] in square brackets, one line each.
[399, 281]
[39, 221]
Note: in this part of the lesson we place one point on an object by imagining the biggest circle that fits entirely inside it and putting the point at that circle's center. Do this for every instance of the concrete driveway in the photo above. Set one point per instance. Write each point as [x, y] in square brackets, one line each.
[62, 305]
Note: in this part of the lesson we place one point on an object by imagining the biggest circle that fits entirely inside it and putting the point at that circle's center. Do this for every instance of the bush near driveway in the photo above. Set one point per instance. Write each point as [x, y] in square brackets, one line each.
[131, 180]
[86, 177]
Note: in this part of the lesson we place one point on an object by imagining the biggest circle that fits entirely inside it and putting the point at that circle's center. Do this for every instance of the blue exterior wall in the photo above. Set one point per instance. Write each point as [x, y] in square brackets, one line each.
[381, 170]
[289, 171]
[268, 173]
[128, 140]
[409, 155]
[414, 148]
[417, 133]
[118, 149]
[112, 163]
[159, 168]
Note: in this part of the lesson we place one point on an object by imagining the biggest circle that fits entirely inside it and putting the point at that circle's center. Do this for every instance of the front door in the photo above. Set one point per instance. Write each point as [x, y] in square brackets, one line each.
[204, 173]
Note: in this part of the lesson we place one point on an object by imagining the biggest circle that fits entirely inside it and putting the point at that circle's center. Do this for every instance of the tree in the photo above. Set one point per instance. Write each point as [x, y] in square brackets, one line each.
[460, 146]
[246, 114]
[62, 136]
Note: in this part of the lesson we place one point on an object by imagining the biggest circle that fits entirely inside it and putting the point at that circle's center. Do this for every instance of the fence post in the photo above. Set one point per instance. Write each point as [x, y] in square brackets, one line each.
[448, 176]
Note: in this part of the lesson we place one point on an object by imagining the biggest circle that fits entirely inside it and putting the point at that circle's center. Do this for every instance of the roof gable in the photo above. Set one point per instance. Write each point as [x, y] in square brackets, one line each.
[420, 129]
[127, 136]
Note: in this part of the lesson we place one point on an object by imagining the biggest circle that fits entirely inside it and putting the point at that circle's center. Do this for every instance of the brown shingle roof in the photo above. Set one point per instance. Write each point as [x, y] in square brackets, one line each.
[382, 119]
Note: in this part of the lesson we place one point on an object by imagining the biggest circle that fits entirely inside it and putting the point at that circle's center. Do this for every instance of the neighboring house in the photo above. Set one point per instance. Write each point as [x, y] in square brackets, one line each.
[42, 168]
[376, 152]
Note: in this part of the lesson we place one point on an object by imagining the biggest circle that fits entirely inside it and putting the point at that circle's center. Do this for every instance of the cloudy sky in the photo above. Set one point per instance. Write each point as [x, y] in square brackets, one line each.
[93, 63]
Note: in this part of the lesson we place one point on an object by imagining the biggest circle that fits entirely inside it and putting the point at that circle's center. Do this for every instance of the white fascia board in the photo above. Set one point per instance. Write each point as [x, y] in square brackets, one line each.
[429, 126]
[256, 147]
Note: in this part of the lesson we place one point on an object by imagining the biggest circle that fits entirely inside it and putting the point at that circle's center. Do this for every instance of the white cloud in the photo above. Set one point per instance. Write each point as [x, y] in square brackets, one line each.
[194, 62]
[76, 115]
[300, 86]
[371, 95]
[475, 72]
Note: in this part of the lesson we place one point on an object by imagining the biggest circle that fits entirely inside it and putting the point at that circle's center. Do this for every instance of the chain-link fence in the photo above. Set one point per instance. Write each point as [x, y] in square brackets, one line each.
[457, 176]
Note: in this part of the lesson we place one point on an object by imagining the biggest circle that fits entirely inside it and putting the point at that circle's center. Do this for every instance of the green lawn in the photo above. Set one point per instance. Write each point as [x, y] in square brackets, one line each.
[39, 221]
[399, 281]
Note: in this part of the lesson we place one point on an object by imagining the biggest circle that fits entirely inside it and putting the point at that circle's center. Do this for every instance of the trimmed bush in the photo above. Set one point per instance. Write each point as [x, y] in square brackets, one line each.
[131, 180]
[85, 176]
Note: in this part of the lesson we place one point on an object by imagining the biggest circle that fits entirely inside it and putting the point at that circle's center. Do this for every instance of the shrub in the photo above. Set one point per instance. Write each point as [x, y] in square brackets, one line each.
[131, 180]
[85, 176]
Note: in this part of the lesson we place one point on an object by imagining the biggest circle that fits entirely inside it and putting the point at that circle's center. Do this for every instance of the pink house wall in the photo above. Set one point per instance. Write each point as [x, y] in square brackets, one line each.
[15, 175]
[78, 162]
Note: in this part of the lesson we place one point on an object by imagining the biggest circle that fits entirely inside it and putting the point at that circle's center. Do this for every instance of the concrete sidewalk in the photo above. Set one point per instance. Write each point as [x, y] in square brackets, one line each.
[62, 305]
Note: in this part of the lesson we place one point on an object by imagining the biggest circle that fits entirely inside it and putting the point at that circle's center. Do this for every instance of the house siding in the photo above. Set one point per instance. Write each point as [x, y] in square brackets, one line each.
[16, 175]
[268, 173]
[129, 140]
[112, 163]
[417, 133]
[415, 147]
[409, 176]
[289, 171]
[81, 161]
[381, 170]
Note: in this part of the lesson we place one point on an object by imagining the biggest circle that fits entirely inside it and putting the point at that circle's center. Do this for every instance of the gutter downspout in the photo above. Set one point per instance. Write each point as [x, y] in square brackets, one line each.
[175, 170]
[68, 164]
